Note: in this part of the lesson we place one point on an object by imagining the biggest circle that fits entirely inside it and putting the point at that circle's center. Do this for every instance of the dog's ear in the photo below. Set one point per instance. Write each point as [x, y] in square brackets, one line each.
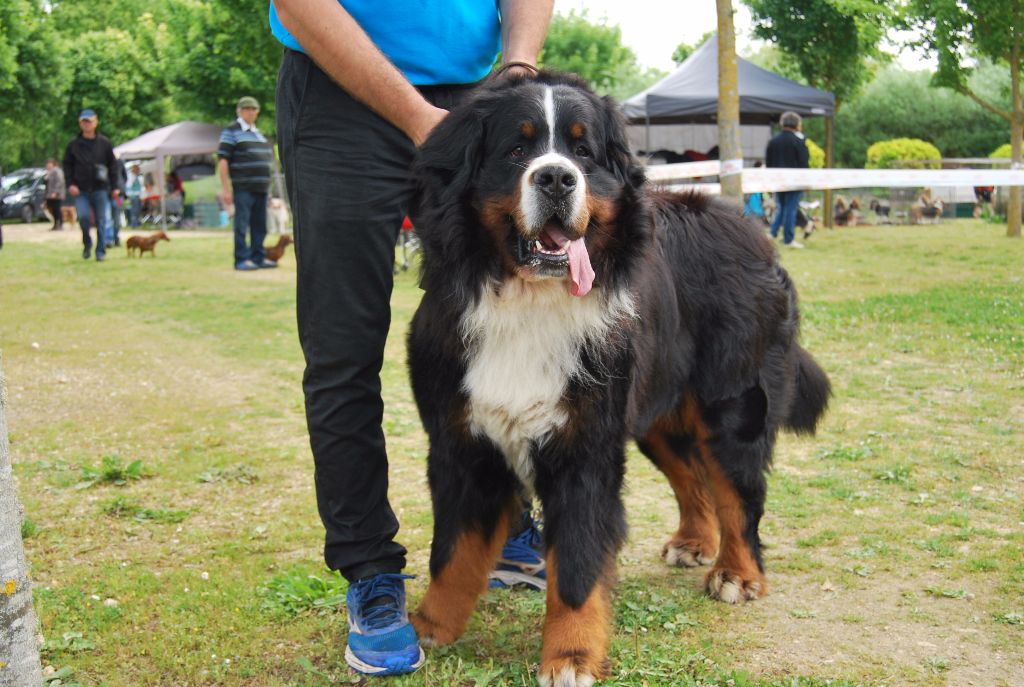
[622, 163]
[448, 160]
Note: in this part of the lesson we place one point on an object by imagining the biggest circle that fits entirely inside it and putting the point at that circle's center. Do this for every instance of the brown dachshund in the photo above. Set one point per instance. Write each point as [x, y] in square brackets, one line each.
[275, 253]
[146, 243]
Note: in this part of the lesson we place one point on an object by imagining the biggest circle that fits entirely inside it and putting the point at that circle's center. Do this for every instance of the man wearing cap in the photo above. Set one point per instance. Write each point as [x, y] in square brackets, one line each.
[244, 166]
[90, 171]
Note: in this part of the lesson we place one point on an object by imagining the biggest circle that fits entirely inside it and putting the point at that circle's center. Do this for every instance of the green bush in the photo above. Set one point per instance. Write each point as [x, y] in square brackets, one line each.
[1002, 151]
[817, 155]
[901, 153]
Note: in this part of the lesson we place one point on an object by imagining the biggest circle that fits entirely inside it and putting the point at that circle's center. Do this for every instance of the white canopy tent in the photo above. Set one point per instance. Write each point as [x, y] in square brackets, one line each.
[183, 138]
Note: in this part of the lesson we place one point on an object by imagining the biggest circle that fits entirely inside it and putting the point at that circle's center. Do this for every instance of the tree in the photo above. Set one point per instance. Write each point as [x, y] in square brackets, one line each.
[833, 42]
[19, 649]
[223, 49]
[961, 31]
[729, 143]
[33, 79]
[902, 104]
[684, 50]
[594, 51]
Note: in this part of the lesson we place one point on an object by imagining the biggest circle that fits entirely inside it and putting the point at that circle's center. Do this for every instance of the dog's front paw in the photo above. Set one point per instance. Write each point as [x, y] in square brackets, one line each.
[733, 588]
[430, 631]
[686, 553]
[570, 671]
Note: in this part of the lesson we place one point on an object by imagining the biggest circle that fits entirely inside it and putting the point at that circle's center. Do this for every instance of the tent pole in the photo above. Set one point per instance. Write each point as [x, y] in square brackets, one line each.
[162, 185]
[827, 200]
[647, 129]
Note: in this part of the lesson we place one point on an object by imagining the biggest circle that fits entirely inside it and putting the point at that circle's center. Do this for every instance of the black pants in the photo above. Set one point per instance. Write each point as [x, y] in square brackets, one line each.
[53, 205]
[347, 175]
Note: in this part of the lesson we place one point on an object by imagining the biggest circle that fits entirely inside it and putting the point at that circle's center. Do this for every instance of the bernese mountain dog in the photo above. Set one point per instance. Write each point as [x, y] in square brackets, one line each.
[567, 308]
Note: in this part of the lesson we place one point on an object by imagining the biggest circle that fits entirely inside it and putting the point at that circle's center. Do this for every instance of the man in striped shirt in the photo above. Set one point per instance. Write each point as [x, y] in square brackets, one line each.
[244, 166]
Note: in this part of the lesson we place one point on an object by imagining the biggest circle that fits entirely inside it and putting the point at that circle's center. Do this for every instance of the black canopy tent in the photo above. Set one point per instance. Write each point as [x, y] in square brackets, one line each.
[689, 95]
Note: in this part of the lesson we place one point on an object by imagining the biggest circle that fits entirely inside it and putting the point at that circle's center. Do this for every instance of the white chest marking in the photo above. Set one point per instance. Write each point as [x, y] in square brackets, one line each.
[524, 349]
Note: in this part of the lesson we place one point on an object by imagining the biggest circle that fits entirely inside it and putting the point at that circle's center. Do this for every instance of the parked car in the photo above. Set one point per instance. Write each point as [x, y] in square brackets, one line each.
[23, 194]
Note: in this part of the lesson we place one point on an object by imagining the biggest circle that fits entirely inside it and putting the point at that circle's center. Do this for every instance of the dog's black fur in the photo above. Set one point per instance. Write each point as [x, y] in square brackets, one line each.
[707, 364]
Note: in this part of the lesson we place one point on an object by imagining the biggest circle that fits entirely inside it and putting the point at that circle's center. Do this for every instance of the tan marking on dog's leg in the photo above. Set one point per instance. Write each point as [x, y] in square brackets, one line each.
[576, 640]
[735, 577]
[696, 540]
[445, 609]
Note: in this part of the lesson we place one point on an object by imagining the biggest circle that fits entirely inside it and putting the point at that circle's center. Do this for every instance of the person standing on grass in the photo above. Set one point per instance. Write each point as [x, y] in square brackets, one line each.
[90, 170]
[787, 149]
[133, 189]
[361, 85]
[55, 192]
[244, 166]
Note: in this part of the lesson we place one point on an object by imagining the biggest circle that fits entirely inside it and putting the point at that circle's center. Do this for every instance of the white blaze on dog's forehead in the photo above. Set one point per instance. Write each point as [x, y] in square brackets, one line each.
[549, 115]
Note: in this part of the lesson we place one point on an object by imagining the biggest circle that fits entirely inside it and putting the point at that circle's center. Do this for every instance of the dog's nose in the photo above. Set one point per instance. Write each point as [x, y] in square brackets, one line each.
[555, 181]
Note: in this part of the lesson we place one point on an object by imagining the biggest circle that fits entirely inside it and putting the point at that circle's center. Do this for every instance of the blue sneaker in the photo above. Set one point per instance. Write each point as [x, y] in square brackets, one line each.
[380, 639]
[522, 561]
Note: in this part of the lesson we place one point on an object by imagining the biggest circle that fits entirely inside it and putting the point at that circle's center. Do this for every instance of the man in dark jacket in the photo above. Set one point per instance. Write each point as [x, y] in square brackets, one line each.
[787, 149]
[90, 171]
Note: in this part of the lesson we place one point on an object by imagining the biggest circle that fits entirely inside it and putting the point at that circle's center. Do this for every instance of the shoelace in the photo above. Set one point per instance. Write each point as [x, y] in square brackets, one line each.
[387, 589]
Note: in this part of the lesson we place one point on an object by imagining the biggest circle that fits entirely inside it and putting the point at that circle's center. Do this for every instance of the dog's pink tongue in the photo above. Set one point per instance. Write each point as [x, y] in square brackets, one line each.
[580, 270]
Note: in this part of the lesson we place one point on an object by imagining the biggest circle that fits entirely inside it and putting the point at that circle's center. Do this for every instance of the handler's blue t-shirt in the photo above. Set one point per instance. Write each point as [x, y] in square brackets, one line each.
[430, 41]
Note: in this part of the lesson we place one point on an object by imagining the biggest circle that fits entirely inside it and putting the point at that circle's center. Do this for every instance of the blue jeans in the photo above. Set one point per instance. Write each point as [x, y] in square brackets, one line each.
[787, 204]
[251, 218]
[134, 211]
[115, 225]
[98, 202]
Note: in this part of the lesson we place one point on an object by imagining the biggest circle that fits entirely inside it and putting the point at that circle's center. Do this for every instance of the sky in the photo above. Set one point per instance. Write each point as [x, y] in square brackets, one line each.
[653, 28]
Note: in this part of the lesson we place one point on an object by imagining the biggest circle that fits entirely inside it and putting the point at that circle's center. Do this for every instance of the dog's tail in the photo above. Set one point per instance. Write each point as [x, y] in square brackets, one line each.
[810, 396]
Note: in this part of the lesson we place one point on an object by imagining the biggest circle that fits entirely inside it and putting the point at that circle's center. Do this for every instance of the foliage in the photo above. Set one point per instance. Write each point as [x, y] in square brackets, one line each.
[901, 152]
[817, 155]
[119, 73]
[960, 31]
[296, 591]
[122, 507]
[898, 104]
[111, 471]
[33, 74]
[1003, 151]
[834, 44]
[684, 50]
[594, 51]
[223, 49]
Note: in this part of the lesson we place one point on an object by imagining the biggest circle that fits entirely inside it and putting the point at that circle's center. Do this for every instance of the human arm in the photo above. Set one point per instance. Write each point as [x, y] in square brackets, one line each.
[524, 25]
[113, 171]
[225, 180]
[69, 171]
[336, 42]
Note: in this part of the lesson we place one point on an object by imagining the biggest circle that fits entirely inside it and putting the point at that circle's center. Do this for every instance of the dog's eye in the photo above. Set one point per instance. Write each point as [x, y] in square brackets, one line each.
[518, 151]
[582, 151]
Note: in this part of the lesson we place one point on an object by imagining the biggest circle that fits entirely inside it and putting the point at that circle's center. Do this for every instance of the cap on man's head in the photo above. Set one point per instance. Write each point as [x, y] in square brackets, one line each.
[87, 113]
[248, 101]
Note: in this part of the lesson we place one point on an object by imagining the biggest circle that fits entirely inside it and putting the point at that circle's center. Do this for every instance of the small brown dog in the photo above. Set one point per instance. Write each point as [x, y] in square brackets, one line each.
[275, 253]
[68, 214]
[146, 243]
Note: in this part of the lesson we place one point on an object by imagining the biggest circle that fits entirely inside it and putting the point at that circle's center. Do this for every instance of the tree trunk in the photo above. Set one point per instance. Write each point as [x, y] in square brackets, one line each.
[1013, 207]
[829, 162]
[19, 646]
[730, 148]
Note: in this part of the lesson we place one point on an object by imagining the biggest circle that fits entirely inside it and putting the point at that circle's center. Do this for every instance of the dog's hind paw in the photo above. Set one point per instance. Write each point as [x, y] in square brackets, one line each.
[566, 675]
[685, 554]
[730, 587]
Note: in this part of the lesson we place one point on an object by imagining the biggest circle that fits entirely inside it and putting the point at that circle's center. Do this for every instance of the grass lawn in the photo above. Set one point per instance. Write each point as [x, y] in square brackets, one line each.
[158, 437]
